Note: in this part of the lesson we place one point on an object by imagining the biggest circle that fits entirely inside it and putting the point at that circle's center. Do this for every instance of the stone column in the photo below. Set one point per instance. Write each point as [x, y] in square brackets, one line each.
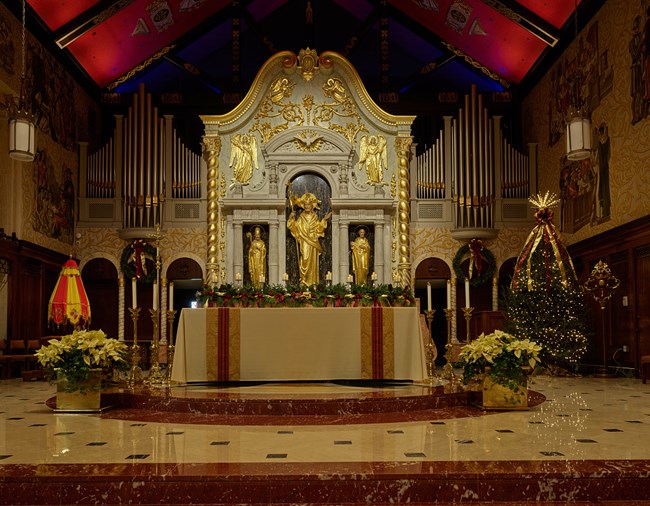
[379, 266]
[273, 275]
[238, 250]
[344, 257]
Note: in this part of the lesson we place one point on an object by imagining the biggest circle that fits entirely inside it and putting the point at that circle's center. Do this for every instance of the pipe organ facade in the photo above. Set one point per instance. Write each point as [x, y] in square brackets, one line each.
[144, 165]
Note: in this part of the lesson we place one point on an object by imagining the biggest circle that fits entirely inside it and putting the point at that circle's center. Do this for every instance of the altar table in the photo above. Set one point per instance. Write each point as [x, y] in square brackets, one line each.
[279, 344]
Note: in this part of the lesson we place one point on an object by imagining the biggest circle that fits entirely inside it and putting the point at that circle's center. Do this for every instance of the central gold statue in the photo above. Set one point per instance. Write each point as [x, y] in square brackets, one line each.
[307, 229]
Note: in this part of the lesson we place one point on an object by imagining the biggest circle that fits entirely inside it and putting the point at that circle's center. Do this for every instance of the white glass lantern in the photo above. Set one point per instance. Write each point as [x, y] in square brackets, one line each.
[578, 138]
[22, 139]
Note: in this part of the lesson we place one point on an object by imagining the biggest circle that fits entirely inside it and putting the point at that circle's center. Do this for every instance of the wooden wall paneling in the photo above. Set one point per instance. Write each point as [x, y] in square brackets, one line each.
[641, 301]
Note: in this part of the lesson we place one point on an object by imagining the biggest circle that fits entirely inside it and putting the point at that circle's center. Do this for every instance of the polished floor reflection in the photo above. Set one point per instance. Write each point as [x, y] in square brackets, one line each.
[587, 426]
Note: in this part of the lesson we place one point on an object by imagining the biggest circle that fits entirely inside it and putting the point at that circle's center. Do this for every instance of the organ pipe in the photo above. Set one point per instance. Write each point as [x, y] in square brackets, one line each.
[480, 158]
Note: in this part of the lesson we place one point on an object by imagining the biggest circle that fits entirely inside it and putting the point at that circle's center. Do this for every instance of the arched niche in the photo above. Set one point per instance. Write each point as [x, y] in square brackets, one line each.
[99, 276]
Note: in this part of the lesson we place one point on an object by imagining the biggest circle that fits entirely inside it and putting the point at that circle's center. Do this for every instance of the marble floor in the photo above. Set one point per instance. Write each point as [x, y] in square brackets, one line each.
[587, 441]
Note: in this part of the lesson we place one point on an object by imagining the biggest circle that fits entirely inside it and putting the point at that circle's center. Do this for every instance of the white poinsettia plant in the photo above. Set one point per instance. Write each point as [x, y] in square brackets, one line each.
[77, 355]
[504, 358]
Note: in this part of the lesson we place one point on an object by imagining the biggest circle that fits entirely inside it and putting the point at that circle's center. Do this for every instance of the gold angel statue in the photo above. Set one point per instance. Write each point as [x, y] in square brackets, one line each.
[307, 229]
[243, 157]
[373, 156]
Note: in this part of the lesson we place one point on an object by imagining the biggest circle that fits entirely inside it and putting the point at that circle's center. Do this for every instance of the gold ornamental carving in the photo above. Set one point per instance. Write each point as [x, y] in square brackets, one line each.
[212, 149]
[403, 148]
[308, 63]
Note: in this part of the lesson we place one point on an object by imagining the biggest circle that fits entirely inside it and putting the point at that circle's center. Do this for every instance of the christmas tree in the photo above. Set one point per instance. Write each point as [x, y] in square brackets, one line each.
[544, 302]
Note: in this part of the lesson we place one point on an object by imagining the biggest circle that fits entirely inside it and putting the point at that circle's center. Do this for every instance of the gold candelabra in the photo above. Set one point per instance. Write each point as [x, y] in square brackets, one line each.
[155, 374]
[448, 369]
[431, 348]
[171, 313]
[135, 373]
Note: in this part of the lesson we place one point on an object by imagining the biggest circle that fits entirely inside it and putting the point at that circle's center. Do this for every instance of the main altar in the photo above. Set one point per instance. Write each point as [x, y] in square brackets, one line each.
[310, 344]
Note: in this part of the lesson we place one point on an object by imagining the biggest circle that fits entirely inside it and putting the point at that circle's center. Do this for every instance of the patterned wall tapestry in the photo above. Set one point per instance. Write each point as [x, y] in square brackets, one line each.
[53, 213]
[51, 95]
[576, 80]
[584, 186]
[640, 55]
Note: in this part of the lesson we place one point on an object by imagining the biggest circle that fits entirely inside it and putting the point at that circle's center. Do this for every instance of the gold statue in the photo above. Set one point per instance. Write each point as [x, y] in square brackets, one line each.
[361, 258]
[373, 155]
[307, 229]
[243, 157]
[256, 257]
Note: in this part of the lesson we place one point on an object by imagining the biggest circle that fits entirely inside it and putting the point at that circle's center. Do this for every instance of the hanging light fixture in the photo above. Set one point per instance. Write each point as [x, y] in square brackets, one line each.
[578, 128]
[22, 132]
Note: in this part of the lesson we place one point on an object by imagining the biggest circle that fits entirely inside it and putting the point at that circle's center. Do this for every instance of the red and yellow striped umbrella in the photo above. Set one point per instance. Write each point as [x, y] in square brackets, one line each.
[69, 302]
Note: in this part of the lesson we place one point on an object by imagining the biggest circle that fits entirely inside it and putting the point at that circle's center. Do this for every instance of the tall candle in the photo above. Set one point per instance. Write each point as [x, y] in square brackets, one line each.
[155, 295]
[467, 293]
[429, 296]
[448, 294]
[171, 295]
[134, 293]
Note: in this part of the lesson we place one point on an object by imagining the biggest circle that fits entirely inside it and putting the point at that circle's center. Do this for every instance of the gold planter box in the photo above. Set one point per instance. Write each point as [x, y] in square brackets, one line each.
[77, 402]
[496, 396]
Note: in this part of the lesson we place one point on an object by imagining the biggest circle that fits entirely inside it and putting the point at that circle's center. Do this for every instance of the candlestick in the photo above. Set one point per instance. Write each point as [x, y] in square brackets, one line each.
[135, 373]
[448, 369]
[155, 375]
[171, 295]
[431, 348]
[170, 348]
[468, 316]
[155, 295]
[134, 293]
[448, 293]
[467, 304]
[429, 296]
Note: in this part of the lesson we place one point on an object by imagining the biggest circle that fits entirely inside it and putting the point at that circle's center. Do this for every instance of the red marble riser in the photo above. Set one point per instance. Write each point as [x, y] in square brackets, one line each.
[326, 483]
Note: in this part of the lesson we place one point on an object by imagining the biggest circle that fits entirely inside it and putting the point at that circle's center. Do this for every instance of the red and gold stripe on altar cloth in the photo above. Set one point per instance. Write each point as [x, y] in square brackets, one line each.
[377, 343]
[222, 343]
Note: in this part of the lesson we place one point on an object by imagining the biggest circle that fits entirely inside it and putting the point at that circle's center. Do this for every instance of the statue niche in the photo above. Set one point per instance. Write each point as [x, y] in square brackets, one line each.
[308, 193]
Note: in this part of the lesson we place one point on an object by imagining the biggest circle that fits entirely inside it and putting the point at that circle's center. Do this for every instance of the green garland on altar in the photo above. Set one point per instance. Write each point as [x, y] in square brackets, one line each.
[488, 270]
[127, 264]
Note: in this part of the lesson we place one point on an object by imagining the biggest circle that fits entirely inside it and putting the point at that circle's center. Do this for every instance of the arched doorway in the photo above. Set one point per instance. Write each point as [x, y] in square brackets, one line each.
[100, 280]
[435, 272]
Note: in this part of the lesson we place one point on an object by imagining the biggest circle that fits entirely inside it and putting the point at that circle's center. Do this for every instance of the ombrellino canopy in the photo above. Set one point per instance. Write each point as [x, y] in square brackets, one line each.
[69, 302]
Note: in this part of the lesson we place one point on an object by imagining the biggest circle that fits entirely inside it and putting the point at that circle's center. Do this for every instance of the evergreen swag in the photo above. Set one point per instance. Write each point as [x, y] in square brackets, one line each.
[544, 302]
[320, 295]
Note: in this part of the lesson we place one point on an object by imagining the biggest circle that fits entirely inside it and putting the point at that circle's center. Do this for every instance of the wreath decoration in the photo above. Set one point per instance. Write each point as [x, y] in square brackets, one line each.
[129, 265]
[487, 261]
